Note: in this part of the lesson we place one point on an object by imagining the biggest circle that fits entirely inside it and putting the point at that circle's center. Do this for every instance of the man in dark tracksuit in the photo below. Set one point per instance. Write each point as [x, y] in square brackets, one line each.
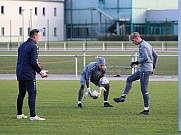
[26, 69]
[92, 73]
[147, 60]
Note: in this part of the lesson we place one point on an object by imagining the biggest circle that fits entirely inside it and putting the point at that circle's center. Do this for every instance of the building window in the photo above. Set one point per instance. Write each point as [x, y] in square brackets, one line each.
[101, 4]
[36, 11]
[55, 32]
[55, 11]
[44, 31]
[20, 10]
[21, 31]
[43, 11]
[2, 9]
[29, 30]
[2, 31]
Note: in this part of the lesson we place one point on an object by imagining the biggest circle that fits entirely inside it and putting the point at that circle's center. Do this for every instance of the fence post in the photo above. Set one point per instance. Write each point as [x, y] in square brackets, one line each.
[64, 45]
[84, 58]
[103, 46]
[83, 45]
[133, 59]
[45, 46]
[122, 46]
[8, 47]
[76, 72]
[162, 46]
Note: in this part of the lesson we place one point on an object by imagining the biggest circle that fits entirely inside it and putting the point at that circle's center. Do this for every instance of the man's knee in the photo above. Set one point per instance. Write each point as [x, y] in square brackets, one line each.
[82, 86]
[144, 92]
[107, 86]
[129, 79]
[32, 94]
[21, 97]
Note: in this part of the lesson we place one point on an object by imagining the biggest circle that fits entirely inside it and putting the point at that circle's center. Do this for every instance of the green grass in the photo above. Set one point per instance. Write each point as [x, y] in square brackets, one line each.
[57, 102]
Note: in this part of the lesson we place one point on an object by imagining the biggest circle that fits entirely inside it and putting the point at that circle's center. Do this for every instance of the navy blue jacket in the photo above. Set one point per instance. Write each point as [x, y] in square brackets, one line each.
[27, 61]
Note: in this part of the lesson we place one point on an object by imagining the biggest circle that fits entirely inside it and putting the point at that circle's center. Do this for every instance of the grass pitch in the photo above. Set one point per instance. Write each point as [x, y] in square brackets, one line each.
[57, 102]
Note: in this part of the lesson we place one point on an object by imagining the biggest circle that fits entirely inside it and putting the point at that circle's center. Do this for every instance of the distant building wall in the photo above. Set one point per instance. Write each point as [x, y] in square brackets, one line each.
[17, 18]
[162, 15]
[139, 8]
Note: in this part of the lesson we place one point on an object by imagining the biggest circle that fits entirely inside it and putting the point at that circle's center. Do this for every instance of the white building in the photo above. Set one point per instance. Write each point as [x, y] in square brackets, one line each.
[17, 18]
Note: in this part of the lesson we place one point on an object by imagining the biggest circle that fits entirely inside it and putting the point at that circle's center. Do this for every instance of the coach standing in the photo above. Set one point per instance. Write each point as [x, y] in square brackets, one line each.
[147, 60]
[27, 66]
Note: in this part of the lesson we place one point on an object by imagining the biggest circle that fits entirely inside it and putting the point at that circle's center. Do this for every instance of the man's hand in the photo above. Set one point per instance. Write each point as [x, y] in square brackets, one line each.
[134, 63]
[154, 66]
[40, 64]
[99, 90]
[44, 73]
[102, 88]
[153, 69]
[88, 92]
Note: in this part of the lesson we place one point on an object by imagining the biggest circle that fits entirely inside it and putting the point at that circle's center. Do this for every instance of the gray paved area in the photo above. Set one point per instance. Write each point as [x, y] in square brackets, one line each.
[74, 77]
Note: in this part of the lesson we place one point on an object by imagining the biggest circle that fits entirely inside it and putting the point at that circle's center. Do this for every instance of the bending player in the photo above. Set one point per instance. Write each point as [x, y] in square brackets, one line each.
[92, 73]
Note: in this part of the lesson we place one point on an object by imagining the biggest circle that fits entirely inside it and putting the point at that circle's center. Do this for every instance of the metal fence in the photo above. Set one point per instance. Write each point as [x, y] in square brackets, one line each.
[94, 45]
[72, 62]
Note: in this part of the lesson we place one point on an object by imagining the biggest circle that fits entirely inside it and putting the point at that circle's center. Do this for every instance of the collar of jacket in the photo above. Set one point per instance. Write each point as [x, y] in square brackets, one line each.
[30, 39]
[141, 41]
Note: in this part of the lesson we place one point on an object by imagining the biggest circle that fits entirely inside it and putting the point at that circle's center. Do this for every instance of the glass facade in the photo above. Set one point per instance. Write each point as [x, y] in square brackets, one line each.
[102, 16]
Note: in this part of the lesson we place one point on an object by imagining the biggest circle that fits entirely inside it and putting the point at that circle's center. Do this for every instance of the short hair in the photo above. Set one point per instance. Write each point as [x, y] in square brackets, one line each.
[133, 35]
[33, 32]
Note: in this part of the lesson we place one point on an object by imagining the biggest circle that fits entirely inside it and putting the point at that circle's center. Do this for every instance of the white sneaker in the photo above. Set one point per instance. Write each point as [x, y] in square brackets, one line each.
[22, 116]
[36, 118]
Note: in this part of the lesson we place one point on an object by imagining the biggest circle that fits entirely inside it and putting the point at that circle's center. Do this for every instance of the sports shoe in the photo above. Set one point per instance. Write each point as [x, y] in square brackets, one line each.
[120, 99]
[22, 116]
[145, 112]
[36, 118]
[106, 104]
[79, 105]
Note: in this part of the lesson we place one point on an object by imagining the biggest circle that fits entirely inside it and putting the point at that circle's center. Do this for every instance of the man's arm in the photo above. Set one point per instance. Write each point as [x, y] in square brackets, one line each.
[155, 57]
[34, 59]
[144, 56]
[90, 68]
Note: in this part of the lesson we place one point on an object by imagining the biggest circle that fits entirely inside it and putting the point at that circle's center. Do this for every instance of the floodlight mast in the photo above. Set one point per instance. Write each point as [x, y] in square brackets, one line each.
[179, 65]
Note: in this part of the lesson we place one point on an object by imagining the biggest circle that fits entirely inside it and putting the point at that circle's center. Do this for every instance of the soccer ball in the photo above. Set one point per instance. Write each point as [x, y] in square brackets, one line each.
[94, 94]
[103, 81]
